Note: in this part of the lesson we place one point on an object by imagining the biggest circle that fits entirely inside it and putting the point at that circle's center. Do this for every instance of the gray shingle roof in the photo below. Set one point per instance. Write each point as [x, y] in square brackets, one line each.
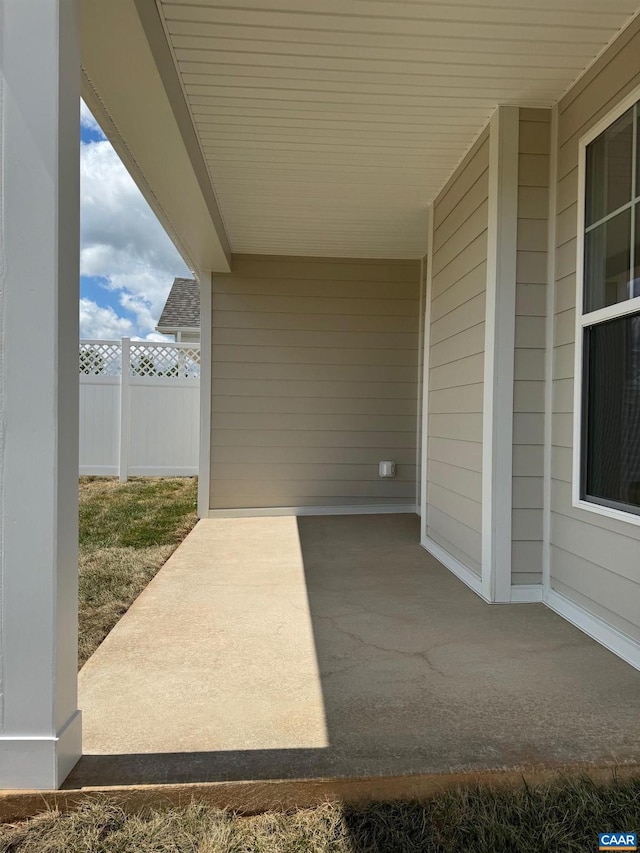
[182, 308]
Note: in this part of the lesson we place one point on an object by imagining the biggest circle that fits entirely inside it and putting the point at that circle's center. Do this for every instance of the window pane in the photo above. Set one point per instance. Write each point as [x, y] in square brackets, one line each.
[609, 168]
[607, 260]
[612, 412]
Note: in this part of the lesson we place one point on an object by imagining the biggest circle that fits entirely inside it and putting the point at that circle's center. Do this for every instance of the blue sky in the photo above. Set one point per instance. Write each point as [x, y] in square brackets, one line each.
[127, 261]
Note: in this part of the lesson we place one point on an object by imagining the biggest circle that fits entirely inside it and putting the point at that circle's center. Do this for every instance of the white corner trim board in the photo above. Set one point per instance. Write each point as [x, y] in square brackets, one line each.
[421, 349]
[497, 443]
[426, 343]
[261, 512]
[549, 350]
[609, 637]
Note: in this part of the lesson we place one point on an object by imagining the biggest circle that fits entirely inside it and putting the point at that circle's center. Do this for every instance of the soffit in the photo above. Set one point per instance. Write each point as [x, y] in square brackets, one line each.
[328, 128]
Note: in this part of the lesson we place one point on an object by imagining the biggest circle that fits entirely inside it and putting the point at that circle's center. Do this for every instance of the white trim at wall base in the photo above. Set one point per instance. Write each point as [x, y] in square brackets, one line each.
[462, 572]
[526, 593]
[608, 636]
[520, 594]
[260, 512]
[617, 642]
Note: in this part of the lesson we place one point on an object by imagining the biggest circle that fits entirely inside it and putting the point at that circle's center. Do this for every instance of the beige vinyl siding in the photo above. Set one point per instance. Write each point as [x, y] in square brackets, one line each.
[314, 381]
[528, 390]
[456, 359]
[595, 561]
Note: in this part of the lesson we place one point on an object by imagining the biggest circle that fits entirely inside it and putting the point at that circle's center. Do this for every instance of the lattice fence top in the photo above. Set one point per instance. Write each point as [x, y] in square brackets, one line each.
[150, 360]
[178, 362]
[100, 358]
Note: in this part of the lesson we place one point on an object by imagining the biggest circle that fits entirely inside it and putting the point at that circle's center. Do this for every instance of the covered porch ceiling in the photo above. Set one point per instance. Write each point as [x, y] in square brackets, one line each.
[320, 128]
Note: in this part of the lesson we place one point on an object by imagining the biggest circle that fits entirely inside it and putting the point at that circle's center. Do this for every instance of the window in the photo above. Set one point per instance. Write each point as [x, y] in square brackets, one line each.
[608, 345]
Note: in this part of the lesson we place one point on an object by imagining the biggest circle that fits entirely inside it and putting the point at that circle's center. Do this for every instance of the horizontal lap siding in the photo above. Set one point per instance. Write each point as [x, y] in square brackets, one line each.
[314, 381]
[531, 277]
[594, 560]
[456, 360]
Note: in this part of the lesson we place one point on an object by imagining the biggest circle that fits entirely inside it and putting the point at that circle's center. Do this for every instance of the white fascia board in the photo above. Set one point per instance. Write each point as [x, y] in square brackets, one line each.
[127, 85]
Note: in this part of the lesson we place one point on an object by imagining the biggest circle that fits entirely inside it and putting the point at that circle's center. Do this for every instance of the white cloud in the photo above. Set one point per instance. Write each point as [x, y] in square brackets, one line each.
[87, 120]
[98, 322]
[140, 306]
[121, 239]
[156, 336]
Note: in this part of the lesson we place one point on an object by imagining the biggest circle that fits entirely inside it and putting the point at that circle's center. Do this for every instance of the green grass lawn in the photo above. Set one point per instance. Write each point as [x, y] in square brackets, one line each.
[553, 819]
[127, 531]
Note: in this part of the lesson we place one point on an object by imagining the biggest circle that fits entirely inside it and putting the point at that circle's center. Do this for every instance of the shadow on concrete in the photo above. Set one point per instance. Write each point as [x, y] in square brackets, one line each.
[160, 768]
[419, 676]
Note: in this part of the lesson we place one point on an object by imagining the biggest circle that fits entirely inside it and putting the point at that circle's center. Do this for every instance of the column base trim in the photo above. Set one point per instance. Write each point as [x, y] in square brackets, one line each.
[40, 763]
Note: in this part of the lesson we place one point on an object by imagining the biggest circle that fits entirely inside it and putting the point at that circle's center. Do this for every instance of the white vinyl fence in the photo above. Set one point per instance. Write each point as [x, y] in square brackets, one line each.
[139, 408]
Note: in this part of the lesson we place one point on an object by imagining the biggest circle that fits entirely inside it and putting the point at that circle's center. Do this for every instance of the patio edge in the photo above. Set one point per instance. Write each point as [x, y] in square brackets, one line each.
[255, 796]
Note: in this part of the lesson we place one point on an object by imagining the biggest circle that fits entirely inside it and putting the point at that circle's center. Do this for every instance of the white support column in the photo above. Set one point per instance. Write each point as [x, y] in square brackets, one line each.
[497, 461]
[40, 732]
[204, 460]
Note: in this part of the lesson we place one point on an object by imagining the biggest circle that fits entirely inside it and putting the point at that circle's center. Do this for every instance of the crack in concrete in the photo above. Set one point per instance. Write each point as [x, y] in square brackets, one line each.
[424, 654]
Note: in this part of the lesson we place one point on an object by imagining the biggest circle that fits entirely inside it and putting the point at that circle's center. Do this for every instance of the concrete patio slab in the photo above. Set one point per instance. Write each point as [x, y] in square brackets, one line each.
[330, 647]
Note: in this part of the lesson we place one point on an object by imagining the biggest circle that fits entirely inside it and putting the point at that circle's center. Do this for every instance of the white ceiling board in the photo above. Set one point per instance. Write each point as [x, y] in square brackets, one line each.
[328, 128]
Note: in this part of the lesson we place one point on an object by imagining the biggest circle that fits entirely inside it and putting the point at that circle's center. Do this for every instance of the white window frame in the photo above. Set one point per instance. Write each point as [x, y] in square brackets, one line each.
[621, 309]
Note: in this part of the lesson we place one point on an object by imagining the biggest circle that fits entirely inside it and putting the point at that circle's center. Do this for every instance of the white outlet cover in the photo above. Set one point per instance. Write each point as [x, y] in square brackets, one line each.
[387, 469]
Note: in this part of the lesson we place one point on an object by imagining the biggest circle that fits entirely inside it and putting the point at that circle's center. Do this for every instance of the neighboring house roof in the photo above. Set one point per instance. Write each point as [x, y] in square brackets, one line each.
[182, 308]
